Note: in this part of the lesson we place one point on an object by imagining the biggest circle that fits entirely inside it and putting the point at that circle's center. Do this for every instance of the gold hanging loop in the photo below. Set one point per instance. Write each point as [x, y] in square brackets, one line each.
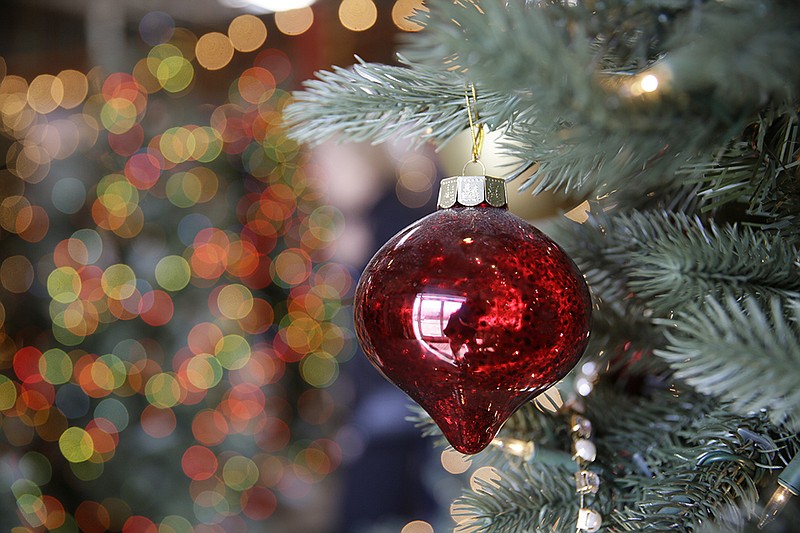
[475, 127]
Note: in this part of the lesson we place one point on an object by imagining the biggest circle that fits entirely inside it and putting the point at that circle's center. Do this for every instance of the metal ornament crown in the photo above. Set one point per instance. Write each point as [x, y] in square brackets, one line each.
[470, 191]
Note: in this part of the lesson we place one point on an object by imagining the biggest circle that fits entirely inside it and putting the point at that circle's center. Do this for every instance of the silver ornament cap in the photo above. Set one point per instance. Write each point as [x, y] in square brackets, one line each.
[469, 191]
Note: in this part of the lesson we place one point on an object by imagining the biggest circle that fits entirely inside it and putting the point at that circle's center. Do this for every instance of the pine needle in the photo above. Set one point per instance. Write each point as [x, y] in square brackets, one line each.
[745, 352]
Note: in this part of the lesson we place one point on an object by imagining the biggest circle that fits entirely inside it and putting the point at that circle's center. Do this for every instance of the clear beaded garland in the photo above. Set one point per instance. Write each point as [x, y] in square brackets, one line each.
[587, 482]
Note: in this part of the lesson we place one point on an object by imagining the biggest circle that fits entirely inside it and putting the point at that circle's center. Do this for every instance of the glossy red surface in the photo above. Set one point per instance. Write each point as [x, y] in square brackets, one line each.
[472, 312]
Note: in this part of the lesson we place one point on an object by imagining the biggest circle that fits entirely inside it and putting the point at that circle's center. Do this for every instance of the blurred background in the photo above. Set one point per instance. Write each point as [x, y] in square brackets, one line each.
[176, 346]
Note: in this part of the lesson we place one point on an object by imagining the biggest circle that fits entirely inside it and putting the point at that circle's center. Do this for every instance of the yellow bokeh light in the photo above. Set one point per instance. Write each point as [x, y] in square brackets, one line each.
[175, 73]
[240, 473]
[232, 351]
[358, 15]
[417, 526]
[184, 189]
[8, 393]
[144, 75]
[64, 285]
[292, 266]
[208, 145]
[15, 213]
[186, 41]
[72, 318]
[462, 517]
[294, 21]
[118, 281]
[76, 87]
[118, 115]
[28, 161]
[403, 9]
[214, 50]
[109, 372]
[247, 33]
[579, 213]
[485, 474]
[319, 369]
[163, 390]
[55, 366]
[13, 85]
[76, 445]
[173, 272]
[455, 462]
[204, 371]
[45, 93]
[235, 301]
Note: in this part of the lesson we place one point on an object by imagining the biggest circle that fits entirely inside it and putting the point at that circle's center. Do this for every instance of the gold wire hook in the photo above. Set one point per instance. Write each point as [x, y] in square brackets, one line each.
[475, 127]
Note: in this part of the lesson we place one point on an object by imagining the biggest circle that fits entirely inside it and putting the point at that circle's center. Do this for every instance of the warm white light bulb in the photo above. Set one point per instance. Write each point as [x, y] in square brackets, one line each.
[775, 505]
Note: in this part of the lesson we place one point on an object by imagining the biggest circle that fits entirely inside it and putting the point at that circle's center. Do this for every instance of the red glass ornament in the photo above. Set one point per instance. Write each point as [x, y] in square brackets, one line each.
[472, 312]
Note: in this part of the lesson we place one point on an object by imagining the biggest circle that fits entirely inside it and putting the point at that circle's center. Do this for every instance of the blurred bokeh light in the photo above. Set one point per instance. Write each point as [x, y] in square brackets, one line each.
[175, 272]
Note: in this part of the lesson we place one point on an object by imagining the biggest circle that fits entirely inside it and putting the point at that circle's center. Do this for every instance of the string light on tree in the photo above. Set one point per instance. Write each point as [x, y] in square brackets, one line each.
[788, 486]
[628, 112]
[649, 83]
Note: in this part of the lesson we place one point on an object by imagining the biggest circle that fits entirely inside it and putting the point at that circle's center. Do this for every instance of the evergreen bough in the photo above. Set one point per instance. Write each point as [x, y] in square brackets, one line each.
[691, 250]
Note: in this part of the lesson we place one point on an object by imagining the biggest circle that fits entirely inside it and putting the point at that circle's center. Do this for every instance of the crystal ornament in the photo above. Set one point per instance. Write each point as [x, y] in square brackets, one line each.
[589, 520]
[586, 450]
[587, 482]
[581, 426]
[472, 311]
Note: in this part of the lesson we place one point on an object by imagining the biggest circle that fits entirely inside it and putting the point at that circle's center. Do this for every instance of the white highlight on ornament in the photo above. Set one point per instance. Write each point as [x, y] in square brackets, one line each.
[589, 520]
[430, 317]
[585, 449]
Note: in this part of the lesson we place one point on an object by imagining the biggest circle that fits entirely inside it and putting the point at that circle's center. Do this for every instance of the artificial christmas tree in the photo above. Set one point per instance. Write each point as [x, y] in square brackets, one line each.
[676, 121]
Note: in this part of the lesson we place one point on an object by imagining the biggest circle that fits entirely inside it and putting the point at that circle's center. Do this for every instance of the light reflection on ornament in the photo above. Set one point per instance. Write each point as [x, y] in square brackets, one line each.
[431, 316]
